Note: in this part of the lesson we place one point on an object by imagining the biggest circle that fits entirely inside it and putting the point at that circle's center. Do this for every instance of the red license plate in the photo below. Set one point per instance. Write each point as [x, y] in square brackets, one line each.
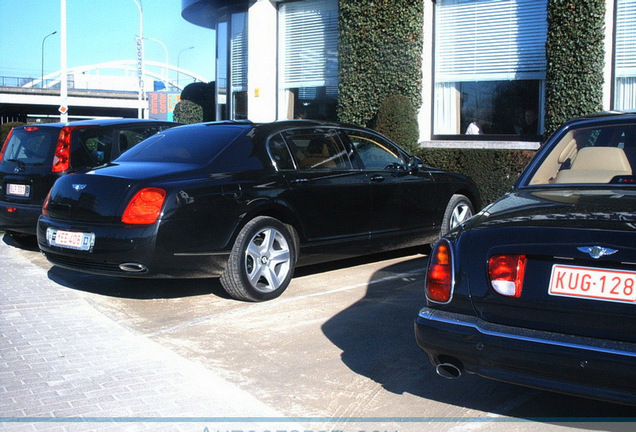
[592, 283]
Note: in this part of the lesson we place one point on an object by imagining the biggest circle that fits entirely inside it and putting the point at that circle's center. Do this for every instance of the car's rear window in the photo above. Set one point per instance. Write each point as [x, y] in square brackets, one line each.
[197, 144]
[31, 145]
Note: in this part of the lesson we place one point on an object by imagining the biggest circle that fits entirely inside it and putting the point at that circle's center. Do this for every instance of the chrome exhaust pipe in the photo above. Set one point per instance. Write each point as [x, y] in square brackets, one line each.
[133, 268]
[448, 370]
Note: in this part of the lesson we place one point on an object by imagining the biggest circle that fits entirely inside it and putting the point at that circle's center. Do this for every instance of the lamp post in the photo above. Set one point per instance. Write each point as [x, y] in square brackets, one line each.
[179, 61]
[50, 34]
[165, 50]
[141, 68]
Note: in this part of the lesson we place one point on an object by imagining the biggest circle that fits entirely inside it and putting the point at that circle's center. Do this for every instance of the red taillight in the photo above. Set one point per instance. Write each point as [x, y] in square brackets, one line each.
[45, 206]
[439, 275]
[31, 128]
[145, 207]
[4, 146]
[506, 274]
[62, 156]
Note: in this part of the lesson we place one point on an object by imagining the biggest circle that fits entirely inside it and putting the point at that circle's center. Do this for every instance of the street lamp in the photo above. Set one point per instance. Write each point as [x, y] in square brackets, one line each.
[179, 61]
[50, 34]
[141, 68]
[165, 50]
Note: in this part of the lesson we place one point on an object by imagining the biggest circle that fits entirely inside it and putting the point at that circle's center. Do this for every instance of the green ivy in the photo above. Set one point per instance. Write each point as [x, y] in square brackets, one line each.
[380, 54]
[575, 55]
[397, 119]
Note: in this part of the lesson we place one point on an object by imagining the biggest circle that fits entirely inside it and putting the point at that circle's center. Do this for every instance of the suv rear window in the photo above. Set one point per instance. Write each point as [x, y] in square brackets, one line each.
[31, 145]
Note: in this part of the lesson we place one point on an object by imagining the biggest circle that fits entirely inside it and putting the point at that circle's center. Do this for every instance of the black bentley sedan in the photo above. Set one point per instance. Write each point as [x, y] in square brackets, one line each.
[248, 202]
[539, 288]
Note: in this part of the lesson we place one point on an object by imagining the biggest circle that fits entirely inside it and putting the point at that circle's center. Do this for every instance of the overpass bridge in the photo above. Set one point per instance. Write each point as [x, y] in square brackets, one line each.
[91, 93]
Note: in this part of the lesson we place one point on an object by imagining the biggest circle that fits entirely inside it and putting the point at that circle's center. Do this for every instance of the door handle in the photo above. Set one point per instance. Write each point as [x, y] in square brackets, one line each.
[377, 178]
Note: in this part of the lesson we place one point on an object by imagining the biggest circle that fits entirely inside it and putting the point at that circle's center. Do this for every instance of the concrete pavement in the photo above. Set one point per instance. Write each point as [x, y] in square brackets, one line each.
[66, 366]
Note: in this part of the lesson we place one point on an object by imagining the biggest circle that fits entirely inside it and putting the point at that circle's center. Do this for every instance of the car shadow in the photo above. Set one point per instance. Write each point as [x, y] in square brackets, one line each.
[136, 288]
[26, 242]
[376, 336]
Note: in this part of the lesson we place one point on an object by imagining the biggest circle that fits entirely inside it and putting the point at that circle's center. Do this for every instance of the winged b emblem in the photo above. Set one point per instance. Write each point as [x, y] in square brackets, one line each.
[597, 251]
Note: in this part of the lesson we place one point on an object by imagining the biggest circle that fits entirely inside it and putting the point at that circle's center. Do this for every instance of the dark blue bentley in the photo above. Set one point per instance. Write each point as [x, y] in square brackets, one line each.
[539, 288]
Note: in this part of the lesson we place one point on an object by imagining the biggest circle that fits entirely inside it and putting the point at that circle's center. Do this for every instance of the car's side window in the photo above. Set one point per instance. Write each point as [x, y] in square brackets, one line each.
[317, 149]
[375, 154]
[279, 153]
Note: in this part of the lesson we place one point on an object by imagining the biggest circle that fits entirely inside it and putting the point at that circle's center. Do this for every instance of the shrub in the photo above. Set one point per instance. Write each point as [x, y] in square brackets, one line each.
[397, 119]
[188, 112]
[575, 56]
[380, 54]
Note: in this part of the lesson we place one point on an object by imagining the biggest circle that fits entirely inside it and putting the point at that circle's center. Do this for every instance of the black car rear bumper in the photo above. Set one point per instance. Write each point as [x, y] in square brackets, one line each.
[575, 365]
[21, 218]
[131, 252]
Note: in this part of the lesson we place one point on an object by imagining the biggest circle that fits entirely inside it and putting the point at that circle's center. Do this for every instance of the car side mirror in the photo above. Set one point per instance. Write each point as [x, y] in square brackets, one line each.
[415, 163]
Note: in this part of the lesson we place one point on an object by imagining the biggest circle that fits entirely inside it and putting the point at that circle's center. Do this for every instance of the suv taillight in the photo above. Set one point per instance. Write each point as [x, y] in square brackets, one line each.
[4, 146]
[145, 207]
[439, 275]
[62, 155]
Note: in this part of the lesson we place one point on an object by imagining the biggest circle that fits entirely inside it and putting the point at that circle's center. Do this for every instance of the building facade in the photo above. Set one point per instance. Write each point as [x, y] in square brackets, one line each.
[484, 64]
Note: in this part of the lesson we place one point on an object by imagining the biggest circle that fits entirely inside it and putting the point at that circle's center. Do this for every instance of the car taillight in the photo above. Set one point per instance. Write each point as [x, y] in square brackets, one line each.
[62, 155]
[506, 274]
[145, 207]
[4, 146]
[45, 206]
[439, 275]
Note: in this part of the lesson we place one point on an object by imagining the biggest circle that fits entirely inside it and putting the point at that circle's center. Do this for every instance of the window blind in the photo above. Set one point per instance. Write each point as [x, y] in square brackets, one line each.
[626, 38]
[482, 40]
[309, 43]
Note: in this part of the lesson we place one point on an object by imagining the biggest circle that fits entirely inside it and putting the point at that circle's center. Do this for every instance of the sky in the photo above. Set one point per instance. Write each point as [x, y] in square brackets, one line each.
[99, 31]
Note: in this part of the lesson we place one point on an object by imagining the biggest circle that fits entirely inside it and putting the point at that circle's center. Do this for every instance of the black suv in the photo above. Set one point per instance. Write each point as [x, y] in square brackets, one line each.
[34, 156]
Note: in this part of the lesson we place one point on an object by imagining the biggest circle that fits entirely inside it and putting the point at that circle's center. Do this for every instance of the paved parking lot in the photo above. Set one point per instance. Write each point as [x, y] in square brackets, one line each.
[335, 352]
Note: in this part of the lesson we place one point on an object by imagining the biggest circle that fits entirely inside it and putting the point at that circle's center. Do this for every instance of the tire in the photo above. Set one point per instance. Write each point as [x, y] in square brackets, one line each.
[262, 261]
[458, 210]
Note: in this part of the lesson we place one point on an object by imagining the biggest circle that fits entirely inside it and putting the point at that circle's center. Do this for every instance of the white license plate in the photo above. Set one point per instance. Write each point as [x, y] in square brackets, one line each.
[18, 190]
[70, 239]
[595, 284]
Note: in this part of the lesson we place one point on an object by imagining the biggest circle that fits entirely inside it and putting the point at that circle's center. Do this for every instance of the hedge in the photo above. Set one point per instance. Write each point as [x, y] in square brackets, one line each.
[380, 54]
[575, 56]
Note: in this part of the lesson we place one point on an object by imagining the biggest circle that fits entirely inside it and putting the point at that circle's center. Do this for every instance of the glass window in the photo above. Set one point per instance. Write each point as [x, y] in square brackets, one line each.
[317, 150]
[597, 155]
[232, 54]
[197, 145]
[625, 88]
[279, 152]
[489, 66]
[374, 153]
[309, 59]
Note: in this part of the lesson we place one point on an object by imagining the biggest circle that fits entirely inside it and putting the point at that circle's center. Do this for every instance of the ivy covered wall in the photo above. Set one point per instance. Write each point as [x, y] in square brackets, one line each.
[575, 55]
[380, 55]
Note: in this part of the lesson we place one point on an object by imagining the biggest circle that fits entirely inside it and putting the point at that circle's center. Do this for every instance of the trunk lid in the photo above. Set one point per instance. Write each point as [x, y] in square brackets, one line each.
[559, 233]
[102, 195]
